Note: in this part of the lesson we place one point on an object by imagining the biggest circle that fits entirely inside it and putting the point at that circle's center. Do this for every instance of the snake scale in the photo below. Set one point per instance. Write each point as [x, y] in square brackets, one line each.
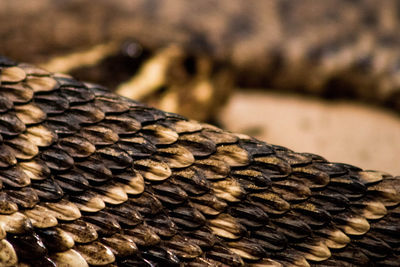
[91, 178]
[333, 48]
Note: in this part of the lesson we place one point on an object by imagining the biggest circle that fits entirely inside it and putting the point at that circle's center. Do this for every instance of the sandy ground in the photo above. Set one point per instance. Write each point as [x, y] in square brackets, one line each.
[341, 132]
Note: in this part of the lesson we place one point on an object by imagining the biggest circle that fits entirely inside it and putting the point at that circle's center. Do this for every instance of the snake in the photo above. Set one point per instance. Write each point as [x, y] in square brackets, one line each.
[92, 178]
[334, 48]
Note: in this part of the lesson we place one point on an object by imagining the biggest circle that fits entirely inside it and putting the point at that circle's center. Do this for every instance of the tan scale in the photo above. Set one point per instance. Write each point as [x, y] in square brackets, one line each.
[40, 135]
[41, 218]
[94, 203]
[70, 258]
[112, 182]
[176, 156]
[226, 226]
[318, 252]
[114, 194]
[63, 210]
[135, 185]
[154, 170]
[355, 225]
[7, 254]
[335, 238]
[30, 114]
[228, 189]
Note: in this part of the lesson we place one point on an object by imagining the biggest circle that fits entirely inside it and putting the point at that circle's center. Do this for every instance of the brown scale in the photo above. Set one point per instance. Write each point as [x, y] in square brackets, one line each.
[100, 180]
[333, 48]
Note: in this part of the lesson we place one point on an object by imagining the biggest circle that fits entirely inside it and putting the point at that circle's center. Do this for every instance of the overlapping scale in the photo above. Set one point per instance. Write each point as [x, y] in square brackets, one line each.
[5, 104]
[16, 93]
[10, 124]
[12, 75]
[91, 178]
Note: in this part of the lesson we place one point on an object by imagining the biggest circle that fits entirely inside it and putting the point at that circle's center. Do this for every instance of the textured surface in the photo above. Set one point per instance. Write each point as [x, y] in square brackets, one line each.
[89, 177]
[361, 135]
[331, 47]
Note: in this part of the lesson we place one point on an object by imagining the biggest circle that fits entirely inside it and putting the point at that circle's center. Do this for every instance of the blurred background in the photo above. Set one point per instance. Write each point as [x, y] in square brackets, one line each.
[315, 76]
[341, 131]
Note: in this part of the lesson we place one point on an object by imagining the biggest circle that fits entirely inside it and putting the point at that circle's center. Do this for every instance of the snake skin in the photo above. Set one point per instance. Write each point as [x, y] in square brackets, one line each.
[91, 178]
[333, 47]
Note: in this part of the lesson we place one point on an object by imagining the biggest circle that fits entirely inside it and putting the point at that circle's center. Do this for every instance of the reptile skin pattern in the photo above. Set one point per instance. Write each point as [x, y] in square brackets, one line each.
[333, 48]
[89, 178]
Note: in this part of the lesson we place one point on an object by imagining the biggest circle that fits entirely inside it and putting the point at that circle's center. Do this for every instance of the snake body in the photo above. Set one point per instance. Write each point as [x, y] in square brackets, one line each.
[333, 48]
[92, 178]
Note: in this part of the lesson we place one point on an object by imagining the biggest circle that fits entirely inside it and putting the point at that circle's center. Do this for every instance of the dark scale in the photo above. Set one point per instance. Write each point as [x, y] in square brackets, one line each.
[97, 179]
